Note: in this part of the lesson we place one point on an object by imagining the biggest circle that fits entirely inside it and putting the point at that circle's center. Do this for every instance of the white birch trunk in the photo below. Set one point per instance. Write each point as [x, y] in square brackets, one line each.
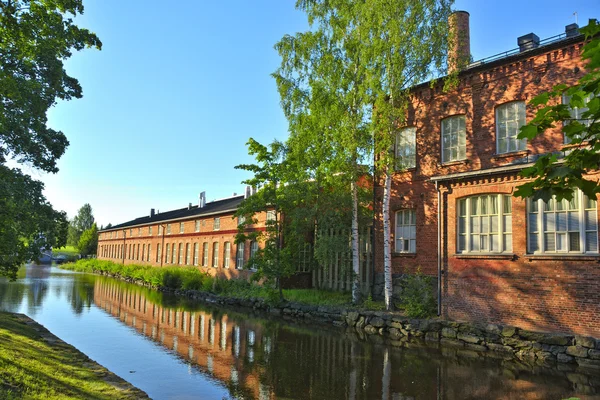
[355, 247]
[387, 248]
[386, 376]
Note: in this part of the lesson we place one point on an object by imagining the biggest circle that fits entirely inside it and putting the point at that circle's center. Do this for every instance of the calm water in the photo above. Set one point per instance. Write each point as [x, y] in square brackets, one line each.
[178, 349]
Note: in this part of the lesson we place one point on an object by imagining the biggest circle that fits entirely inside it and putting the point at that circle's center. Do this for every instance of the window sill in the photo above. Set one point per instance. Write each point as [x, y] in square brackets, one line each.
[562, 257]
[405, 255]
[486, 256]
[520, 153]
[402, 170]
[451, 163]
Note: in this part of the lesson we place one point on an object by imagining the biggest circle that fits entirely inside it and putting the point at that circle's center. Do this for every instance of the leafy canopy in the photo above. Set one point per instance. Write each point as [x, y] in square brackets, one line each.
[555, 175]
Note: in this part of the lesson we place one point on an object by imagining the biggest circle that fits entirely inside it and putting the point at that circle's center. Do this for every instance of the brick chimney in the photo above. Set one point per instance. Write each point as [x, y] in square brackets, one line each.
[459, 41]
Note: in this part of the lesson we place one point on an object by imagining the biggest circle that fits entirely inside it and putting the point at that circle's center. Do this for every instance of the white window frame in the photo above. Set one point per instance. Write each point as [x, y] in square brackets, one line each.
[406, 233]
[472, 237]
[168, 229]
[217, 224]
[271, 215]
[544, 220]
[454, 136]
[158, 253]
[406, 148]
[196, 250]
[150, 231]
[197, 225]
[226, 254]
[188, 254]
[167, 253]
[181, 227]
[241, 220]
[511, 126]
[239, 258]
[173, 254]
[576, 114]
[205, 254]
[215, 247]
[253, 250]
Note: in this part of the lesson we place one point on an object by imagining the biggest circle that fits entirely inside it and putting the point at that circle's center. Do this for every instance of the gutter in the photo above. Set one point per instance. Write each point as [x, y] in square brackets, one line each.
[480, 172]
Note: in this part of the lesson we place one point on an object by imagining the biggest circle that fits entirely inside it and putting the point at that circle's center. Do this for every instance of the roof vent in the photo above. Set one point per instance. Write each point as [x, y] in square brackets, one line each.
[572, 30]
[248, 192]
[528, 42]
[189, 206]
[151, 212]
[202, 200]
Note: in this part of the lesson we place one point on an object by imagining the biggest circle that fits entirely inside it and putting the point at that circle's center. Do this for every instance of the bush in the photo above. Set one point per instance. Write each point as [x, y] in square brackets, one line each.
[172, 280]
[417, 298]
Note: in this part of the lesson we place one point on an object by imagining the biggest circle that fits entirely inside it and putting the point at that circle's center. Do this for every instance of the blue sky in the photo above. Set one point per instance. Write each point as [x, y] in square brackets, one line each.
[179, 87]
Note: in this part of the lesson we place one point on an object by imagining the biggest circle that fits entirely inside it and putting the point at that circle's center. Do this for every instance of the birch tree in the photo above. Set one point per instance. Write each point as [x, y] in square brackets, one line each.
[407, 44]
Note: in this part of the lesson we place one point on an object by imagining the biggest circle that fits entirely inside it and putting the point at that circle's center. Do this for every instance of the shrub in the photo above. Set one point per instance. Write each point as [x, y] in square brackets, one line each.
[417, 298]
[171, 279]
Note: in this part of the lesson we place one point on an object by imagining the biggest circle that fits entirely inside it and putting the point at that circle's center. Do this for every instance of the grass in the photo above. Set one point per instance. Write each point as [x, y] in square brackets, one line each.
[35, 365]
[191, 278]
[67, 251]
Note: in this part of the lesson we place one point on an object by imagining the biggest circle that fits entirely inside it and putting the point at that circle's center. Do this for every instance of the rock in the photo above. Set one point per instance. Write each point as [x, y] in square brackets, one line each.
[432, 336]
[377, 322]
[395, 334]
[476, 347]
[587, 363]
[577, 351]
[508, 331]
[394, 324]
[545, 356]
[465, 337]
[594, 354]
[448, 333]
[563, 358]
[434, 327]
[557, 349]
[338, 323]
[370, 330]
[381, 331]
[350, 322]
[494, 329]
[360, 324]
[556, 339]
[585, 341]
[500, 348]
[352, 316]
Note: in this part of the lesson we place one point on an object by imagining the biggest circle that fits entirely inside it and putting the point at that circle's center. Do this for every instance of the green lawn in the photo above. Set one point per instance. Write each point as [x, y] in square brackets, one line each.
[67, 250]
[35, 365]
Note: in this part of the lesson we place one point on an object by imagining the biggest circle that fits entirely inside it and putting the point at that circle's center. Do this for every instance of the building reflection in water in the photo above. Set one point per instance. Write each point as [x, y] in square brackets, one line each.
[262, 359]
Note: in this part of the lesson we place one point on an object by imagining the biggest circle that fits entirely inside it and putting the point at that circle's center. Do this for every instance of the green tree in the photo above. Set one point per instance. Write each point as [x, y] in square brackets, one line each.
[83, 221]
[88, 242]
[554, 176]
[36, 36]
[273, 260]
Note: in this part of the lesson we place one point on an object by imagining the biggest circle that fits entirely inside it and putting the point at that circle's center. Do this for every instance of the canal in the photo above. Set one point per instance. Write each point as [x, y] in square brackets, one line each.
[175, 348]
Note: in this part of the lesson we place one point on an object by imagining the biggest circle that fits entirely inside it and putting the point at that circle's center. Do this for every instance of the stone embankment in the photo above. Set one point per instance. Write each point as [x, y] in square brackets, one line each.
[494, 340]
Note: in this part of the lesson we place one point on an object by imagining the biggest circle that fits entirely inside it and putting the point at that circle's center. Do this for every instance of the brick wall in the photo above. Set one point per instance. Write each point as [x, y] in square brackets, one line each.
[557, 293]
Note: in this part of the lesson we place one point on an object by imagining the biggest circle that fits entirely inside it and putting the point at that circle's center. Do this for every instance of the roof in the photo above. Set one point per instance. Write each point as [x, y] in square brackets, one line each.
[215, 207]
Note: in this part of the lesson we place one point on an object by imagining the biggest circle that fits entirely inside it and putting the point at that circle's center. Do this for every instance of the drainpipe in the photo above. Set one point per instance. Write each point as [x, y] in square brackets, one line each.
[439, 248]
[124, 246]
[373, 231]
[162, 245]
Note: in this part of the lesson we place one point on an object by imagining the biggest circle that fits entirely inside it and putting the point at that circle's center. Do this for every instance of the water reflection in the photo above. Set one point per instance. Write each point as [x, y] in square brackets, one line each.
[257, 357]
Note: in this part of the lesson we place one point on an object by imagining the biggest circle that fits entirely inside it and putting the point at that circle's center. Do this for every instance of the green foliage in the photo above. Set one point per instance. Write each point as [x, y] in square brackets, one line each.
[88, 242]
[37, 36]
[417, 298]
[83, 221]
[371, 304]
[554, 176]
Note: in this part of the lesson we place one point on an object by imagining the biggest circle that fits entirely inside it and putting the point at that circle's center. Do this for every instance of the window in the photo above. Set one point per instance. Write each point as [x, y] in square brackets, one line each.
[180, 254]
[563, 226]
[181, 226]
[139, 231]
[150, 230]
[406, 231]
[510, 118]
[205, 254]
[137, 254]
[130, 232]
[217, 224]
[241, 220]
[173, 254]
[160, 229]
[197, 225]
[168, 229]
[454, 139]
[253, 250]
[167, 253]
[143, 251]
[195, 253]
[149, 252]
[406, 148]
[188, 255]
[271, 215]
[577, 115]
[226, 254]
[158, 254]
[485, 224]
[215, 254]
[239, 259]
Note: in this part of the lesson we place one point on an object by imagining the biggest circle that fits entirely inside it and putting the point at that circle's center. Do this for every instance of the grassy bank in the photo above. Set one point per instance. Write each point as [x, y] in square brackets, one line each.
[34, 364]
[191, 278]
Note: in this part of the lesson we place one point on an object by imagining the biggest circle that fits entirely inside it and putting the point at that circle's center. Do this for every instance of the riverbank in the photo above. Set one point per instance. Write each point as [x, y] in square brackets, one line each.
[35, 364]
[489, 340]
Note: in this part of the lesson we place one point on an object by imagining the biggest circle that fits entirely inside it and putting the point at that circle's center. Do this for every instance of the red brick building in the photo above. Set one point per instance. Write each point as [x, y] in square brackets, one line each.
[500, 258]
[201, 235]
